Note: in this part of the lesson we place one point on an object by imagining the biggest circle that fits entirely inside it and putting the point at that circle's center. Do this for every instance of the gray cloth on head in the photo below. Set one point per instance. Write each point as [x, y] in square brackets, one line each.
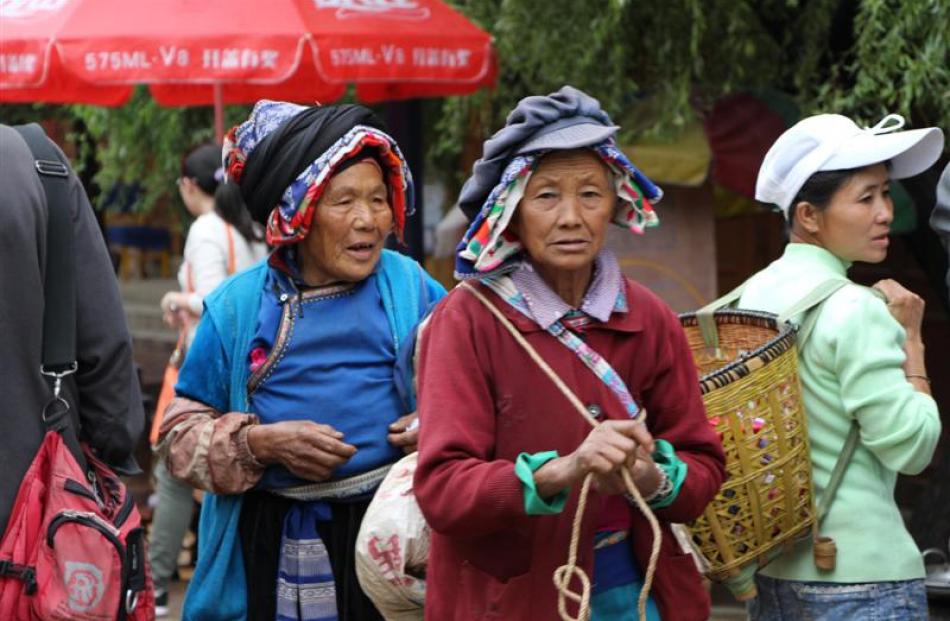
[567, 119]
[940, 218]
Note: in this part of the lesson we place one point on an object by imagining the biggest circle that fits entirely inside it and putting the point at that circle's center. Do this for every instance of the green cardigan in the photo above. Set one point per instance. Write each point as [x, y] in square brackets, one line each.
[851, 370]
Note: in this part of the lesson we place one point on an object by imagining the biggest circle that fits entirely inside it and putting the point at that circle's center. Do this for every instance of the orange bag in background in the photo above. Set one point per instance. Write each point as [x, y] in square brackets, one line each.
[167, 393]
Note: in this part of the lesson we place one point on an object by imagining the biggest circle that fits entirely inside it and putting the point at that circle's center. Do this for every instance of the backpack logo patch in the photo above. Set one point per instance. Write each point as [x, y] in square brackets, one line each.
[84, 585]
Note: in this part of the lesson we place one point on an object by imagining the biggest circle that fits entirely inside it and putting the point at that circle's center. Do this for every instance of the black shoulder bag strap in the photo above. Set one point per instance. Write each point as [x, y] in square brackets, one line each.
[59, 283]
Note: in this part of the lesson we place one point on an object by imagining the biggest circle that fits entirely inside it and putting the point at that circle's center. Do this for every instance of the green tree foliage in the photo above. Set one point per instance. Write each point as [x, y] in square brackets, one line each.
[142, 142]
[654, 64]
[899, 62]
[858, 57]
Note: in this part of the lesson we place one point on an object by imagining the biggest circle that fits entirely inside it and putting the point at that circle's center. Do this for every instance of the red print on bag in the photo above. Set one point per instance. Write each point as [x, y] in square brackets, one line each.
[389, 559]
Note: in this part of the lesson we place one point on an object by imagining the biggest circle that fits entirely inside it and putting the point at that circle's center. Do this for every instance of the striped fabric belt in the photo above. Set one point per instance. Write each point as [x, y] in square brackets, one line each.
[605, 540]
[336, 490]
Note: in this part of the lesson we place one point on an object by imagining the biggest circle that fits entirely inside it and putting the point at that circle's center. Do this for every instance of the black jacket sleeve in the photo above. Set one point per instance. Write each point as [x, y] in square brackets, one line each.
[108, 392]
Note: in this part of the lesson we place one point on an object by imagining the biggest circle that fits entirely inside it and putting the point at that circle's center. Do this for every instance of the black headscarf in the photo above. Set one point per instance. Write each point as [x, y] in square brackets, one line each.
[288, 150]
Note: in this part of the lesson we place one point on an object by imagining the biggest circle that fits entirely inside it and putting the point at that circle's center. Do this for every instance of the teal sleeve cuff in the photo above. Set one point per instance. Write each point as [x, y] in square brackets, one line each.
[525, 467]
[675, 468]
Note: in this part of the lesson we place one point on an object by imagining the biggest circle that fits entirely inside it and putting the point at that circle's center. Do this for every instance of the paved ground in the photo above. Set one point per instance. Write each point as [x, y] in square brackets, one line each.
[176, 596]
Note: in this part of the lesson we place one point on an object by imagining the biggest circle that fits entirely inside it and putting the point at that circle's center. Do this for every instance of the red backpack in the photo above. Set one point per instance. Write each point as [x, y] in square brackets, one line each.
[74, 547]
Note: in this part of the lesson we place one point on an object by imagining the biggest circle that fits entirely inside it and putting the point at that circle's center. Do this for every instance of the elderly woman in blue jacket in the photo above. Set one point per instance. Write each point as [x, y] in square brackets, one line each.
[288, 408]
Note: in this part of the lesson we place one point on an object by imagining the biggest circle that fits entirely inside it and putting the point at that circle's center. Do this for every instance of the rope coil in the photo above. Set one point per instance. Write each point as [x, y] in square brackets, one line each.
[564, 574]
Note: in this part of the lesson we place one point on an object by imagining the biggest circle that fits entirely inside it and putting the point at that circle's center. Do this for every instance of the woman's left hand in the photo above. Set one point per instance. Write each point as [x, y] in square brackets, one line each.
[175, 309]
[905, 306]
[404, 433]
[643, 471]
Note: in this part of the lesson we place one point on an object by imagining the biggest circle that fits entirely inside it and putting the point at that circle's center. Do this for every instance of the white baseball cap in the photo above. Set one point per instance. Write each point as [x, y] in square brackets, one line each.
[835, 142]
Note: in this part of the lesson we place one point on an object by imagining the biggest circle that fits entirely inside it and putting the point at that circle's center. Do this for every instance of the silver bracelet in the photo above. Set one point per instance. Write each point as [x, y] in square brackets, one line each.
[664, 489]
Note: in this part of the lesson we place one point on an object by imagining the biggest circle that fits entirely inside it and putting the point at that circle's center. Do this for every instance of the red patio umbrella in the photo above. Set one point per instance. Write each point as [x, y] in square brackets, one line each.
[237, 51]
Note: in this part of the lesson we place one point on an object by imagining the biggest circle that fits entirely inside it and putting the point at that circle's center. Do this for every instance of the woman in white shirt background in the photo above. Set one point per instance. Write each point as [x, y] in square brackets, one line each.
[221, 241]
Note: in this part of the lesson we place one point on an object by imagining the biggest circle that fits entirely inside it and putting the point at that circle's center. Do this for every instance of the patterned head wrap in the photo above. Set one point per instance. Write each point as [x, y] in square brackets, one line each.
[488, 245]
[564, 120]
[284, 155]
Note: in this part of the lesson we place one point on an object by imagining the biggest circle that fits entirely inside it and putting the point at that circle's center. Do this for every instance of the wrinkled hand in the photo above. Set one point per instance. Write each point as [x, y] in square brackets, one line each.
[906, 306]
[404, 433]
[307, 449]
[645, 476]
[609, 446]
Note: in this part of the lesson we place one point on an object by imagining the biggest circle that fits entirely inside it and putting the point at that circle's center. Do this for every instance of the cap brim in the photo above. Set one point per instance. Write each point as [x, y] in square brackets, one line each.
[573, 137]
[909, 152]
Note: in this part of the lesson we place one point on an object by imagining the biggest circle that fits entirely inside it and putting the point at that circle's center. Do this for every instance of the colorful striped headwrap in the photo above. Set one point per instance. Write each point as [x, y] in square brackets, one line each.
[488, 246]
[305, 146]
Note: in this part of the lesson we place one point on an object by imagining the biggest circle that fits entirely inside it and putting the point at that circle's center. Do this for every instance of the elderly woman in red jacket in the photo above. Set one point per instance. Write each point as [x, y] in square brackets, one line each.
[502, 452]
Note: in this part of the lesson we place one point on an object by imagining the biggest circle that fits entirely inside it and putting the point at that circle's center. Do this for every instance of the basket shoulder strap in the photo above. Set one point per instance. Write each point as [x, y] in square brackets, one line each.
[837, 474]
[531, 351]
[821, 292]
[705, 316]
[810, 305]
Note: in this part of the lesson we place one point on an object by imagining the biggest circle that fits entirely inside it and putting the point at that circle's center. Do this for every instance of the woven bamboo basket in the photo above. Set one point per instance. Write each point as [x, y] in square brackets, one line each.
[753, 400]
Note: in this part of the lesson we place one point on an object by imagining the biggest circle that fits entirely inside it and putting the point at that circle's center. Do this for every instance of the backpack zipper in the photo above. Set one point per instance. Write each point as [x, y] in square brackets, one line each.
[95, 489]
[124, 512]
[79, 489]
[108, 531]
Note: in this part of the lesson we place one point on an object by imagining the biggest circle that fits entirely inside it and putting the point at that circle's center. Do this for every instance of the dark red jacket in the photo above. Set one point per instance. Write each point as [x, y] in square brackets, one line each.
[482, 401]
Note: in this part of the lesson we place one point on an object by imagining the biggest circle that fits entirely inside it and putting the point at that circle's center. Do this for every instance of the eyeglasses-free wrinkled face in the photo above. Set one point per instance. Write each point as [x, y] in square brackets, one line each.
[568, 203]
[350, 224]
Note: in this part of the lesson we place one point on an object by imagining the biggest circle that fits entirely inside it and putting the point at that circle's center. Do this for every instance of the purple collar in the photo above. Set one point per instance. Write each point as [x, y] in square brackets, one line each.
[605, 294]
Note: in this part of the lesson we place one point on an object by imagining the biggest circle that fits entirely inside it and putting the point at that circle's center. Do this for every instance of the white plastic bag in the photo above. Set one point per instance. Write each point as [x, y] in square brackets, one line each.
[392, 547]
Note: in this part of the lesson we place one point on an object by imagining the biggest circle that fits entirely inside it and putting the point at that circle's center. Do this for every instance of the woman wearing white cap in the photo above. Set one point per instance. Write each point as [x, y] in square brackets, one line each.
[862, 367]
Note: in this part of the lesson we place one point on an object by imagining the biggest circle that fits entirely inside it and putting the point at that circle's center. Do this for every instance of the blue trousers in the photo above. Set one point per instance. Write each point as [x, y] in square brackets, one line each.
[786, 600]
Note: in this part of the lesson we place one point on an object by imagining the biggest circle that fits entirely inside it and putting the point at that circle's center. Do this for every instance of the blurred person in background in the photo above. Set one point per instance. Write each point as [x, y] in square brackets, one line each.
[940, 218]
[222, 240]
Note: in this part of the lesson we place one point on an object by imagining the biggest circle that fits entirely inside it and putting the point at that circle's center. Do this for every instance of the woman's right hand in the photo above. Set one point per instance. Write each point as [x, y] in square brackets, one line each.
[908, 309]
[611, 444]
[307, 449]
[608, 447]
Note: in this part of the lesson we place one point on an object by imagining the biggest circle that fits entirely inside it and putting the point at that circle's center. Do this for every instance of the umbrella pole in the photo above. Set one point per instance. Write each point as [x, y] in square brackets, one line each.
[218, 113]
